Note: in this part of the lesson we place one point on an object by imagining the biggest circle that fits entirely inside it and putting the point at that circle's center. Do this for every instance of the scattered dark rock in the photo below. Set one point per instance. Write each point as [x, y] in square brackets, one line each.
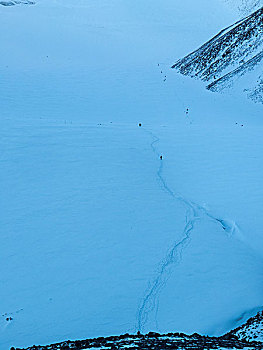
[16, 2]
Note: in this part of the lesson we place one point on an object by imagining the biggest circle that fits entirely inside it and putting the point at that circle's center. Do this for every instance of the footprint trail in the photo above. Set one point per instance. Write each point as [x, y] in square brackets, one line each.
[194, 212]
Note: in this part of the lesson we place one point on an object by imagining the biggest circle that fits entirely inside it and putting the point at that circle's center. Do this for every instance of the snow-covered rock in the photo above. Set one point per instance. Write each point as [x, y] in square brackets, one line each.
[153, 340]
[233, 53]
[252, 330]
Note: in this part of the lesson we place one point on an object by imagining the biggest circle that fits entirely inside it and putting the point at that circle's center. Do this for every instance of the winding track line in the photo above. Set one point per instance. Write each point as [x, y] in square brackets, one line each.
[194, 212]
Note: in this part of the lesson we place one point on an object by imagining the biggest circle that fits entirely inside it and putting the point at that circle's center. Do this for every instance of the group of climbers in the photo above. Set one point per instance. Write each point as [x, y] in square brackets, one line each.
[161, 157]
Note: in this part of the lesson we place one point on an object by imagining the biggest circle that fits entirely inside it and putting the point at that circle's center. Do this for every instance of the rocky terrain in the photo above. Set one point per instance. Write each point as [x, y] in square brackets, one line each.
[247, 336]
[231, 54]
[153, 341]
[251, 330]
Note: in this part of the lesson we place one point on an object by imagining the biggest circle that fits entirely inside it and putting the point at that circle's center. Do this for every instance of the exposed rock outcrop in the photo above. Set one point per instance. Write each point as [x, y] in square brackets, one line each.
[231, 54]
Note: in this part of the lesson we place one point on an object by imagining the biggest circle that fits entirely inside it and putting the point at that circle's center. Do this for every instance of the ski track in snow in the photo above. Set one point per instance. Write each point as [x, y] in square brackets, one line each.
[194, 212]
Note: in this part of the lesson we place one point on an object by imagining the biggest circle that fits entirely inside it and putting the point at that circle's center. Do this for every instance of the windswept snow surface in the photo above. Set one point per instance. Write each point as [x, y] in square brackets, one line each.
[98, 235]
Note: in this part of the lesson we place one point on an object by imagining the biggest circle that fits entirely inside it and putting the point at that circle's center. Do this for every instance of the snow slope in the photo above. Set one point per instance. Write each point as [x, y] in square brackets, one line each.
[99, 236]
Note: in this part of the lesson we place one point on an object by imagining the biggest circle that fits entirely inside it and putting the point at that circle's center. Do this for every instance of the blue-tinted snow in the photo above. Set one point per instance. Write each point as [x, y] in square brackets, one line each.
[86, 221]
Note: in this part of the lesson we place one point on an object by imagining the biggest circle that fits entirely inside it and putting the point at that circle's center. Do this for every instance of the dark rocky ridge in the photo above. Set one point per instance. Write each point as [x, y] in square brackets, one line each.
[232, 53]
[154, 341]
[242, 337]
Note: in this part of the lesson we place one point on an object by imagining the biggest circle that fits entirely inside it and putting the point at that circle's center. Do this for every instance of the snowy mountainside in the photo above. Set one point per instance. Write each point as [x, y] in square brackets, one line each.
[233, 53]
[100, 236]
